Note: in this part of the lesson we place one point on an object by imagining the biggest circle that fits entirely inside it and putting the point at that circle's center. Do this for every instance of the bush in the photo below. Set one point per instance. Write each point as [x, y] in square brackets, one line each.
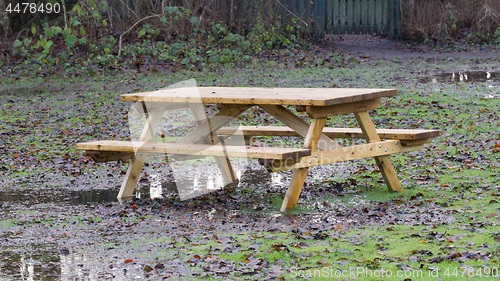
[101, 32]
[446, 21]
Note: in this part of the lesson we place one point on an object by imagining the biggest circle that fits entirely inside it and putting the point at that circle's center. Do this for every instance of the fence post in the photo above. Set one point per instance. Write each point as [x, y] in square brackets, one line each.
[394, 19]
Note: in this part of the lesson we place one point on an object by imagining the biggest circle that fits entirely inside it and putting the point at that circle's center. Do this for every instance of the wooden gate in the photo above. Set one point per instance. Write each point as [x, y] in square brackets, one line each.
[321, 17]
[361, 16]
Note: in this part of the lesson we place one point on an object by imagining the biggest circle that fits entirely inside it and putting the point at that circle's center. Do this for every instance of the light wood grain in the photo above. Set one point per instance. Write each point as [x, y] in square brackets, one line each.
[340, 109]
[299, 175]
[137, 162]
[276, 96]
[196, 149]
[383, 162]
[345, 154]
[222, 161]
[354, 133]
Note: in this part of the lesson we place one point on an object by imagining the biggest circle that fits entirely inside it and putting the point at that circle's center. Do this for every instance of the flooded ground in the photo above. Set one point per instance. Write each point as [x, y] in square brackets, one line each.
[60, 219]
[89, 235]
[462, 77]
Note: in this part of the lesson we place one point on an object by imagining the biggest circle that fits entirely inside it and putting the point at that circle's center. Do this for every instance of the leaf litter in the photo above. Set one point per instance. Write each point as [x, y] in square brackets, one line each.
[59, 214]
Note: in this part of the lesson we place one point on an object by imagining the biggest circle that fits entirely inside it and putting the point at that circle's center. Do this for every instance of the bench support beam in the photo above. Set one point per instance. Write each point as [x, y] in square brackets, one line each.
[137, 162]
[299, 175]
[383, 162]
[300, 126]
[341, 109]
[342, 154]
[222, 161]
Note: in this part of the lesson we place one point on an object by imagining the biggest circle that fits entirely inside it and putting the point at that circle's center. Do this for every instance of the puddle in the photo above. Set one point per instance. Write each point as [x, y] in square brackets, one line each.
[41, 264]
[46, 264]
[464, 77]
[39, 252]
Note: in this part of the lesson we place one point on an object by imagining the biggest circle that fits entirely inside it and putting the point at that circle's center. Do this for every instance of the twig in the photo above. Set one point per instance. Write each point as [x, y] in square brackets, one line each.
[121, 36]
[64, 9]
[292, 13]
[24, 28]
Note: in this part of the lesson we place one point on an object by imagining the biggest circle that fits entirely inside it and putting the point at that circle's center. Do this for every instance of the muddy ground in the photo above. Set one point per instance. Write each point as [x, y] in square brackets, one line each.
[60, 219]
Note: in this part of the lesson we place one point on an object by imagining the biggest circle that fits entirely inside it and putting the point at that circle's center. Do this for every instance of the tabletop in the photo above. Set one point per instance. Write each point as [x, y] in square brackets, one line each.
[254, 95]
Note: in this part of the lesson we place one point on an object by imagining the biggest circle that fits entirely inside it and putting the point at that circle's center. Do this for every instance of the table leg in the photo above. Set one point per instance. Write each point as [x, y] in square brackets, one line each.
[222, 161]
[383, 162]
[137, 162]
[299, 175]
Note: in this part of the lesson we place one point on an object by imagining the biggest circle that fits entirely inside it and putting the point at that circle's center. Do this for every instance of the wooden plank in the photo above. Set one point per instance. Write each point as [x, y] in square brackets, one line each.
[137, 162]
[415, 142]
[222, 161]
[335, 17]
[357, 16]
[344, 154]
[383, 162]
[131, 177]
[342, 16]
[364, 17]
[255, 95]
[299, 175]
[379, 16]
[371, 16]
[395, 19]
[145, 107]
[224, 106]
[340, 109]
[385, 16]
[333, 133]
[196, 149]
[298, 125]
[108, 156]
[350, 16]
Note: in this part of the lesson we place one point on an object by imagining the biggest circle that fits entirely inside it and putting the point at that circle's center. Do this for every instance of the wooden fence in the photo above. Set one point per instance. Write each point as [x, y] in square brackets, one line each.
[320, 17]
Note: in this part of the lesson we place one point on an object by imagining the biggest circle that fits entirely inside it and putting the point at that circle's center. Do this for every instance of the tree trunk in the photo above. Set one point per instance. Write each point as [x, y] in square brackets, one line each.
[4, 19]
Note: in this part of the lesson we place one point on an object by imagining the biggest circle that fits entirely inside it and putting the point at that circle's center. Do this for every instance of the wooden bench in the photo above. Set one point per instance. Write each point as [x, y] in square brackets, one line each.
[153, 148]
[408, 137]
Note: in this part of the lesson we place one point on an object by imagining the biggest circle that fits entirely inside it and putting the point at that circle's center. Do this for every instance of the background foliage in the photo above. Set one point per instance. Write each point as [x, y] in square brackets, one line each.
[88, 35]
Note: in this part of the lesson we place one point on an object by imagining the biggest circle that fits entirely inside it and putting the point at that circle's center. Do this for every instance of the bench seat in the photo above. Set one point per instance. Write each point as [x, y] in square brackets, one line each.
[125, 149]
[391, 134]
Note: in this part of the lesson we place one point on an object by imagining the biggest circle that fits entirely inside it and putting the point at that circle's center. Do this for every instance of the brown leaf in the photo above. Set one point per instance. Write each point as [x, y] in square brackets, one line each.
[497, 238]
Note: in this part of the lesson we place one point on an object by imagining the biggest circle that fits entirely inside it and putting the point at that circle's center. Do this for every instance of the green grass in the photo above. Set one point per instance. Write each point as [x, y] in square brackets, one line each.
[454, 177]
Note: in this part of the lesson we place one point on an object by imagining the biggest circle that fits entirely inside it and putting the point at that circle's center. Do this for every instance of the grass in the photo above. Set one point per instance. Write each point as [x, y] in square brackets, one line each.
[451, 186]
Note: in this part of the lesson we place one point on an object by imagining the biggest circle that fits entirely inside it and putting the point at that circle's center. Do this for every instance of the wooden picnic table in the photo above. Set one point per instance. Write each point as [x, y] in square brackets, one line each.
[318, 104]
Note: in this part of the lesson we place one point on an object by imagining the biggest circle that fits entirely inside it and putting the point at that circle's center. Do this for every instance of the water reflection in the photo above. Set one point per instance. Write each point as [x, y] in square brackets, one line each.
[47, 265]
[43, 265]
[455, 77]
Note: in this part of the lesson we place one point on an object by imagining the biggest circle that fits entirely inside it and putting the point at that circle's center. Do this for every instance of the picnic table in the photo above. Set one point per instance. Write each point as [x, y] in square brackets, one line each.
[207, 139]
